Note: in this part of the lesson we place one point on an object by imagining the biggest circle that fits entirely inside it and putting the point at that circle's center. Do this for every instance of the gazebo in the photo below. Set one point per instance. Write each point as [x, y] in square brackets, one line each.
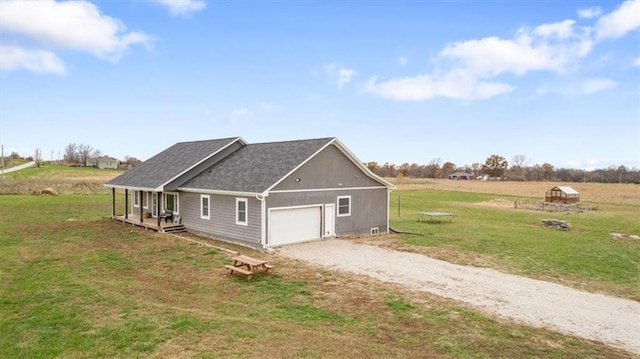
[562, 194]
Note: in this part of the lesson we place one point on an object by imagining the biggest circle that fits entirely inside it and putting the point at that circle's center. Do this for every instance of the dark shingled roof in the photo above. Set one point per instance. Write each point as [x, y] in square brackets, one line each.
[166, 165]
[254, 168]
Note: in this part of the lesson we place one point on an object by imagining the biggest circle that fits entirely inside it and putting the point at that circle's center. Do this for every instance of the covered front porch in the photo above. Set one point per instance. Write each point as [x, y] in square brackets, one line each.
[148, 209]
[150, 223]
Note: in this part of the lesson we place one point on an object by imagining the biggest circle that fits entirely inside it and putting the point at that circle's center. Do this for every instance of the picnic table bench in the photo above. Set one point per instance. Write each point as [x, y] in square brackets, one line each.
[248, 266]
[435, 216]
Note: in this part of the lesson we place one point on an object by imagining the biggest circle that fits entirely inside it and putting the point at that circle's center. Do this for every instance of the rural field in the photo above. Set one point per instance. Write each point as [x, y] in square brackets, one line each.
[76, 284]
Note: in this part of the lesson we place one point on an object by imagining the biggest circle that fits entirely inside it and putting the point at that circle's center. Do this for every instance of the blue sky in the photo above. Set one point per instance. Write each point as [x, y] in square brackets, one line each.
[395, 81]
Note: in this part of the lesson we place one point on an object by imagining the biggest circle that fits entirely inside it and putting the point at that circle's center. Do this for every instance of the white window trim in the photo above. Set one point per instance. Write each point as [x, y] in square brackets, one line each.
[338, 206]
[176, 203]
[246, 211]
[145, 200]
[136, 201]
[208, 197]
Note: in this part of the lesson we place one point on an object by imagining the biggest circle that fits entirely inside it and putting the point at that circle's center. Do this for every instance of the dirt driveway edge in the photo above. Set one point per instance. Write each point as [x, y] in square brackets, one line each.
[611, 320]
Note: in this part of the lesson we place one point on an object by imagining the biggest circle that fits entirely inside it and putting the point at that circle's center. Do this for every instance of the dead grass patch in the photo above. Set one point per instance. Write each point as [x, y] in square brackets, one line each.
[615, 193]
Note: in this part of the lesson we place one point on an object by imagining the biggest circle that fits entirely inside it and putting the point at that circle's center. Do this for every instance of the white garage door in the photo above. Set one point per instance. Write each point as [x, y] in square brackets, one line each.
[294, 225]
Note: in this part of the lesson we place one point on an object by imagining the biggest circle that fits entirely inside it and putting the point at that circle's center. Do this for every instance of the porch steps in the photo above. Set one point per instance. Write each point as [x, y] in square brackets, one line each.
[175, 229]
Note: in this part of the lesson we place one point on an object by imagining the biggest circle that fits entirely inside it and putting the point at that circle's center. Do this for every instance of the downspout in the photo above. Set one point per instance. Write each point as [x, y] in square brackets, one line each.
[263, 219]
[389, 189]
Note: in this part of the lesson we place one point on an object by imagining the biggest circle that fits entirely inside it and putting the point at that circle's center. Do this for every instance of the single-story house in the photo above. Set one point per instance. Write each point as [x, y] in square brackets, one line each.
[461, 175]
[562, 194]
[261, 195]
[103, 162]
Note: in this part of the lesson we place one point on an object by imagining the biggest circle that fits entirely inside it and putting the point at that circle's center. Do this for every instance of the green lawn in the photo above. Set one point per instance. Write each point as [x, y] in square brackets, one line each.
[75, 284]
[514, 240]
[61, 178]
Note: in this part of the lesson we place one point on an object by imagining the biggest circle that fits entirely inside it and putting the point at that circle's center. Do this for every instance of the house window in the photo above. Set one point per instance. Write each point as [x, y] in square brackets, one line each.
[344, 206]
[205, 203]
[171, 202]
[136, 201]
[145, 200]
[241, 211]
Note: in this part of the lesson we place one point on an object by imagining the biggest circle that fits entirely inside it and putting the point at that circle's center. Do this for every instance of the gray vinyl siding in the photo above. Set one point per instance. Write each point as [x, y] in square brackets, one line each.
[202, 167]
[369, 207]
[328, 169]
[222, 218]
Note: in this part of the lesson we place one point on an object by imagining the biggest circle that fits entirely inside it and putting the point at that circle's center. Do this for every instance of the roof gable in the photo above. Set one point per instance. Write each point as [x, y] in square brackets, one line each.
[567, 189]
[170, 163]
[256, 167]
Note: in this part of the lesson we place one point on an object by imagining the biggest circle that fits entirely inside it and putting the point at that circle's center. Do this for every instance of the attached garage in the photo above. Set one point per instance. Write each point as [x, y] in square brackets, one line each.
[294, 225]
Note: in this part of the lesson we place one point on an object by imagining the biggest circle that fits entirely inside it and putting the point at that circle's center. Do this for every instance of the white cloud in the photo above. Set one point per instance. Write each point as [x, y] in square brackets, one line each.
[467, 69]
[591, 86]
[345, 75]
[589, 13]
[456, 84]
[560, 30]
[588, 86]
[183, 8]
[637, 62]
[619, 22]
[39, 61]
[341, 75]
[76, 25]
[548, 47]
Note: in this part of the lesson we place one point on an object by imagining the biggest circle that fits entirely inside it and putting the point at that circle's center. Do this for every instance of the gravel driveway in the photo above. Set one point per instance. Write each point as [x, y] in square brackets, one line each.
[537, 303]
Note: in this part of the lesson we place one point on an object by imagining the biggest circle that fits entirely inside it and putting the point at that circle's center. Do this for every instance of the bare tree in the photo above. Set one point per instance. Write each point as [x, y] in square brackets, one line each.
[519, 165]
[132, 162]
[446, 169]
[433, 168]
[547, 170]
[519, 162]
[71, 153]
[84, 151]
[622, 170]
[476, 168]
[495, 166]
[388, 169]
[372, 166]
[38, 157]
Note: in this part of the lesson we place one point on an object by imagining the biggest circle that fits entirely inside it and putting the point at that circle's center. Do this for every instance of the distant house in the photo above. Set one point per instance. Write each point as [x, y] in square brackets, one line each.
[461, 176]
[261, 195]
[562, 194]
[103, 162]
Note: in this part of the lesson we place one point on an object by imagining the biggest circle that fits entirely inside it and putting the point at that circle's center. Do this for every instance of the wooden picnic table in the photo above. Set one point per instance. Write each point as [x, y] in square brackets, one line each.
[248, 266]
[435, 216]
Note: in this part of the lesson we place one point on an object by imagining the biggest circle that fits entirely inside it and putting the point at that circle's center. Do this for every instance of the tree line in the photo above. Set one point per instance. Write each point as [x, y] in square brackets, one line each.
[75, 155]
[497, 167]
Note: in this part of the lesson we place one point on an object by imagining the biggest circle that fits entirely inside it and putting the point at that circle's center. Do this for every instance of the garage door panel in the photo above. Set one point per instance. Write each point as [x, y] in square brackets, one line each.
[293, 225]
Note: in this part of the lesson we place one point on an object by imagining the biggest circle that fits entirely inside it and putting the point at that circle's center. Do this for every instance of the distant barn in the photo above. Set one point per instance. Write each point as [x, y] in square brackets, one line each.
[562, 194]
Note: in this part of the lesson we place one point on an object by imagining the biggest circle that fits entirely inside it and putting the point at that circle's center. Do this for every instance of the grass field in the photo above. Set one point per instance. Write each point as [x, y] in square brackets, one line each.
[62, 178]
[488, 232]
[75, 284]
